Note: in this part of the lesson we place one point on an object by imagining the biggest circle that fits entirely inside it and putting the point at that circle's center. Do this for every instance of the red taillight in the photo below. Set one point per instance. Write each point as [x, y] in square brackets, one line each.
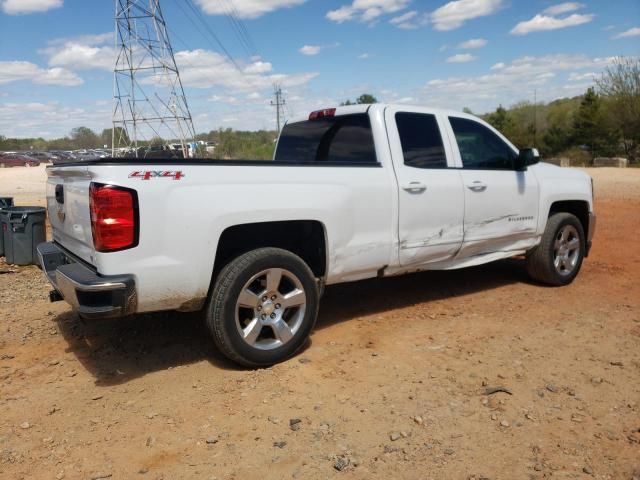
[114, 217]
[327, 112]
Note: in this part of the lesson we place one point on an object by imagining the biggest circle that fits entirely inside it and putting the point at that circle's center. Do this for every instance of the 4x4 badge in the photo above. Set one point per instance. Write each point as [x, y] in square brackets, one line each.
[149, 174]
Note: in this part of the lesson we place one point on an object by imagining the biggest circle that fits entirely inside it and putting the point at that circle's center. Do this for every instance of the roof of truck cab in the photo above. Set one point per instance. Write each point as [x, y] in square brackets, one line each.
[355, 109]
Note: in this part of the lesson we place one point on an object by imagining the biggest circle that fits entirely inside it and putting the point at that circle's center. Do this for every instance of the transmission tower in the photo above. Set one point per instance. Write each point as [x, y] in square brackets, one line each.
[278, 103]
[149, 100]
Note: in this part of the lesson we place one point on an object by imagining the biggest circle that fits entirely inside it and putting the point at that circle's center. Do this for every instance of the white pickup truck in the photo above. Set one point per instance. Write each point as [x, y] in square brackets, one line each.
[352, 193]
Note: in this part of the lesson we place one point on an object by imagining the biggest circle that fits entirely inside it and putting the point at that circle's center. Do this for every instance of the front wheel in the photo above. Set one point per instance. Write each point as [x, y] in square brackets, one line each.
[558, 258]
[263, 307]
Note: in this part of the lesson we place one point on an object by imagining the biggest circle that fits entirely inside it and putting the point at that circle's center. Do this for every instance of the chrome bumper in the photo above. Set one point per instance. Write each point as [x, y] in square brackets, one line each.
[91, 294]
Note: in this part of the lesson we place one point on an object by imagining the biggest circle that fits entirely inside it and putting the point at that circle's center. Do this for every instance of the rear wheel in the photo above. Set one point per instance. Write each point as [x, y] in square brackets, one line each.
[558, 258]
[263, 306]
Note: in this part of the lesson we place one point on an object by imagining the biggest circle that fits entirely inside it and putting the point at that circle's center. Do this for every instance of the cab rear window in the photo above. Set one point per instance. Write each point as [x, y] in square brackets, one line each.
[345, 139]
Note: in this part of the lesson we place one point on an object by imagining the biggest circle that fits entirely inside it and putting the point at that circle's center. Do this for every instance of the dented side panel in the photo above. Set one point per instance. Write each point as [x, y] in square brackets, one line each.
[430, 201]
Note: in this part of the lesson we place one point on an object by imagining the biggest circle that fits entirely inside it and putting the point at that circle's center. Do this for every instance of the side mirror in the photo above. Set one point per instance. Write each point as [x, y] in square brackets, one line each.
[526, 157]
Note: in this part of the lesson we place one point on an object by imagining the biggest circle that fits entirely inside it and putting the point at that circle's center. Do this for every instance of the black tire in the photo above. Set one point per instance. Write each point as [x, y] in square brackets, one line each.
[223, 306]
[540, 260]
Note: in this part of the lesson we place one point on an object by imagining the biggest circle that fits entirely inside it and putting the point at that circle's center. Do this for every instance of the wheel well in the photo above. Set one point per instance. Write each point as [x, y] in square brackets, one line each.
[576, 207]
[305, 238]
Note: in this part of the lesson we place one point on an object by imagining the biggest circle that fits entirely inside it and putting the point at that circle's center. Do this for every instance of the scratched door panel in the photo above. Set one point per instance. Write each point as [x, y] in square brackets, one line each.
[430, 196]
[501, 207]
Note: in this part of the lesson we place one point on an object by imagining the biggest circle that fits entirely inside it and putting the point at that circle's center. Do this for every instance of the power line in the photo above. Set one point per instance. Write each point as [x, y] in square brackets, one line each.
[240, 28]
[211, 34]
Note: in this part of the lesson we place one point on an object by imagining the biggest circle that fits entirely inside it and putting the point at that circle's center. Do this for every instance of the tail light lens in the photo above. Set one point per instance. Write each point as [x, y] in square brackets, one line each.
[114, 217]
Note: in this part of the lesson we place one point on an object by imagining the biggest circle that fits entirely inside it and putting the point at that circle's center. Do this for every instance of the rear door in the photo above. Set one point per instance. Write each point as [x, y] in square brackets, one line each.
[430, 194]
[501, 204]
[69, 211]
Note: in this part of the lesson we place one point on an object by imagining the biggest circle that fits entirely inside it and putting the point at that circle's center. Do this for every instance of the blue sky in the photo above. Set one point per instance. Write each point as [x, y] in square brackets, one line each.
[56, 56]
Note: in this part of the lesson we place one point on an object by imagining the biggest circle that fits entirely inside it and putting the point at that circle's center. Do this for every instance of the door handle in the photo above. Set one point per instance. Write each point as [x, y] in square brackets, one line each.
[415, 187]
[477, 186]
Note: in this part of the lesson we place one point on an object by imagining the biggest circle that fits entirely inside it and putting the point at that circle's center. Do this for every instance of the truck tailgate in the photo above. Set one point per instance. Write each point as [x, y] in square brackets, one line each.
[69, 210]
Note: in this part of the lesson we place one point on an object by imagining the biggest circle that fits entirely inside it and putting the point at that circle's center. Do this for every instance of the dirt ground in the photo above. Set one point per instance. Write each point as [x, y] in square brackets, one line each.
[392, 384]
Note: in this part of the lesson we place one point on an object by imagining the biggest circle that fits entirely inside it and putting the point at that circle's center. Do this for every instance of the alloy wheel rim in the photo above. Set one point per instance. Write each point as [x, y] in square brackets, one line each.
[566, 251]
[270, 309]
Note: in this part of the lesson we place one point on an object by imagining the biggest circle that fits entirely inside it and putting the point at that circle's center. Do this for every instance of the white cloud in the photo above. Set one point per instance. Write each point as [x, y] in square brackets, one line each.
[246, 8]
[507, 83]
[206, 69]
[454, 14]
[410, 20]
[258, 67]
[366, 10]
[82, 57]
[18, 71]
[364, 56]
[579, 77]
[49, 120]
[310, 50]
[549, 20]
[561, 8]
[461, 58]
[632, 32]
[229, 100]
[18, 7]
[84, 52]
[89, 39]
[542, 23]
[560, 62]
[198, 68]
[473, 43]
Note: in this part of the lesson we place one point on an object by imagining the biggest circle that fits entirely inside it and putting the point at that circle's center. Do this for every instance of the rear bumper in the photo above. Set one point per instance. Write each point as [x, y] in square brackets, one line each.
[91, 294]
[591, 230]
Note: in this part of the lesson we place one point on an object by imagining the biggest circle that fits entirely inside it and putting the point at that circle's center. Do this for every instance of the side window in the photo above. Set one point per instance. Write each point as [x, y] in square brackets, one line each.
[421, 140]
[480, 148]
[344, 139]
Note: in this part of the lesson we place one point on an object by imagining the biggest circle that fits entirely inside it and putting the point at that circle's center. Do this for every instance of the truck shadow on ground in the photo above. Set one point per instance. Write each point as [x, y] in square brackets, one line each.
[117, 351]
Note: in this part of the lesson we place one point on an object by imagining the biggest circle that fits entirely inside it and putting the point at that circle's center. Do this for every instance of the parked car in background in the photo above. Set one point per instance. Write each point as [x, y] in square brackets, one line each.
[17, 160]
[60, 156]
[44, 157]
[159, 152]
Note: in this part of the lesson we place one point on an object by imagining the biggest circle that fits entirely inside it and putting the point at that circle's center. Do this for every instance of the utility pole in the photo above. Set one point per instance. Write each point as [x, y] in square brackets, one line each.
[279, 102]
[149, 100]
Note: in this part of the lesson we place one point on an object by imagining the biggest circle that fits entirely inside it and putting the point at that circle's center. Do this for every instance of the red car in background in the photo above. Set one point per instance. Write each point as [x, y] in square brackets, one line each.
[16, 160]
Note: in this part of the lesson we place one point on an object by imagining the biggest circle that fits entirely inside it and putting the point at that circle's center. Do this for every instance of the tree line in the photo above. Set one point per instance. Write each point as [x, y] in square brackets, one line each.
[603, 122]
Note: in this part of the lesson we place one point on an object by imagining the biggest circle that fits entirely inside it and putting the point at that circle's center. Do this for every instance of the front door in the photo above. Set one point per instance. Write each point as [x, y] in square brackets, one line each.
[431, 199]
[501, 204]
